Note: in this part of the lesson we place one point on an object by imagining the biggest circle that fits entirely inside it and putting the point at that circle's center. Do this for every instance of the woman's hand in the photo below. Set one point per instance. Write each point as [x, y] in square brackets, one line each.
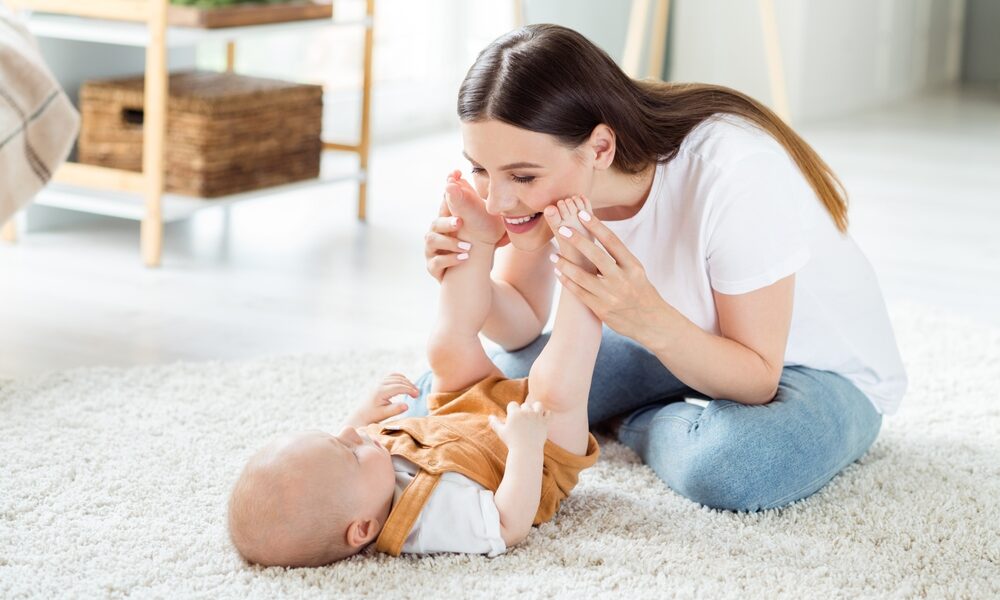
[442, 246]
[619, 293]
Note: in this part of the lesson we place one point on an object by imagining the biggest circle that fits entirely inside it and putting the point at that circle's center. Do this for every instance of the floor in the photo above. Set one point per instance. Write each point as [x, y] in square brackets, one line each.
[298, 274]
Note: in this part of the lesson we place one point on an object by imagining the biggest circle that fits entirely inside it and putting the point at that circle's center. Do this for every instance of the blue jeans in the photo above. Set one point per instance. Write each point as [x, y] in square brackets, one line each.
[725, 455]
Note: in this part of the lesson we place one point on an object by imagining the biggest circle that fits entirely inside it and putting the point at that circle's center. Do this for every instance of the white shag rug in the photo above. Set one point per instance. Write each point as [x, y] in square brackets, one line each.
[113, 483]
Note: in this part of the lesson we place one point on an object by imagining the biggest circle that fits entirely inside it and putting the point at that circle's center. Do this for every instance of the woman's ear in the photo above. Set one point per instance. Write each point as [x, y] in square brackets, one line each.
[361, 533]
[602, 145]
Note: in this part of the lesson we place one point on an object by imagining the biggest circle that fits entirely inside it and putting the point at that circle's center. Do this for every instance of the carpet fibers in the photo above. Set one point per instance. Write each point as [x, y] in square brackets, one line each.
[113, 483]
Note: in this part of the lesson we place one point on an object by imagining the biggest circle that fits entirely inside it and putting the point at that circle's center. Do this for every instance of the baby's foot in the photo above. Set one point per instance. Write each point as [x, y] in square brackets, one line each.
[566, 215]
[477, 224]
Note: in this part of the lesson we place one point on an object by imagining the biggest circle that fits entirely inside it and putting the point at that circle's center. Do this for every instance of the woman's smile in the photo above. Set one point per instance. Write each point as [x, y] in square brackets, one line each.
[521, 224]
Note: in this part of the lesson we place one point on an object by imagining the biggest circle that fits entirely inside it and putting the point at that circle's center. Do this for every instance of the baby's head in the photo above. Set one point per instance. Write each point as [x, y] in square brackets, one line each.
[311, 498]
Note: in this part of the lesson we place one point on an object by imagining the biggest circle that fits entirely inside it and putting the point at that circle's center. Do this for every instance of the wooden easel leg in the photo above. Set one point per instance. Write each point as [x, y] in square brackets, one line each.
[8, 232]
[658, 40]
[230, 56]
[775, 68]
[154, 132]
[366, 102]
[518, 13]
[632, 57]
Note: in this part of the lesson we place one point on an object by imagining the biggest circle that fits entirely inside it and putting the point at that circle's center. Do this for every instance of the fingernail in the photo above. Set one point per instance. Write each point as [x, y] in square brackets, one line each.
[463, 256]
[558, 272]
[584, 215]
[454, 221]
[565, 231]
[465, 245]
[554, 258]
[549, 211]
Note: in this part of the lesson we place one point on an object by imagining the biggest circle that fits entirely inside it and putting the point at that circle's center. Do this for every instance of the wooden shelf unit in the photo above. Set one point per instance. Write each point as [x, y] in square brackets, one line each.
[144, 23]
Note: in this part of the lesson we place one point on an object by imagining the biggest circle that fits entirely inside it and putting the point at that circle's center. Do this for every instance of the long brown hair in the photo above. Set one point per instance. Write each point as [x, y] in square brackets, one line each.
[550, 79]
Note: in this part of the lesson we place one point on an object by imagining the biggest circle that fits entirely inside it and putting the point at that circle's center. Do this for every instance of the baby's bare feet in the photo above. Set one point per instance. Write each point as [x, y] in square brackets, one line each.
[477, 224]
[566, 214]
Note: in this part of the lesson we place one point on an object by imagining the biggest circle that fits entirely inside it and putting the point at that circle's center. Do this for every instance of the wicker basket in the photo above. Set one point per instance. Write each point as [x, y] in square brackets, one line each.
[226, 133]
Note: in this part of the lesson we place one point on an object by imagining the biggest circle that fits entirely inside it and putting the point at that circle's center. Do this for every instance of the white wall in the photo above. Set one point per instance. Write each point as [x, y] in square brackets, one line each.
[840, 56]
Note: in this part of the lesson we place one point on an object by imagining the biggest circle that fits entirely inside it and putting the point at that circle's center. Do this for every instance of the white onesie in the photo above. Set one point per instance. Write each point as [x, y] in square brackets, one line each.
[460, 515]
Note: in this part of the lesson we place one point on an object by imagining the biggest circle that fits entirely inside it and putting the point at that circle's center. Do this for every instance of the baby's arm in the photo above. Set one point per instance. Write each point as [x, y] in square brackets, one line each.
[561, 376]
[454, 350]
[520, 490]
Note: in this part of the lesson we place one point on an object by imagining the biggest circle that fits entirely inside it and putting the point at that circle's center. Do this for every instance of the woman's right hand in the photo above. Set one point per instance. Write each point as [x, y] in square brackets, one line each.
[441, 246]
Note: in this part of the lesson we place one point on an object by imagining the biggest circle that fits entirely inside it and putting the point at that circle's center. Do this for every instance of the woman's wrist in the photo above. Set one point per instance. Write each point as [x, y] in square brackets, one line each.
[662, 328]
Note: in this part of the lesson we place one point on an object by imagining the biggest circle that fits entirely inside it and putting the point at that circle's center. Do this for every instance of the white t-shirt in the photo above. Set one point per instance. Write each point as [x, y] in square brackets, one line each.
[460, 515]
[732, 212]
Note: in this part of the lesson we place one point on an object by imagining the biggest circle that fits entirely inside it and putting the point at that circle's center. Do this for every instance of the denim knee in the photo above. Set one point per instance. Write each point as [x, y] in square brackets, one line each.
[705, 474]
[699, 479]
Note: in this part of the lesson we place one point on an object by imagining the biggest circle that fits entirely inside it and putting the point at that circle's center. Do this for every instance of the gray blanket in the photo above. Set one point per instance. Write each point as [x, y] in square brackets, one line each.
[37, 121]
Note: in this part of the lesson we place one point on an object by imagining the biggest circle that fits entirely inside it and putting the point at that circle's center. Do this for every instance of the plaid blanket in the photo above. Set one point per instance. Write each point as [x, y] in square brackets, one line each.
[37, 121]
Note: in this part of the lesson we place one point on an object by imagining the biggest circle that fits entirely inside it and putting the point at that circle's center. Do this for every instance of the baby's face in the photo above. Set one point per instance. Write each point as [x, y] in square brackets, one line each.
[364, 466]
[306, 486]
[358, 468]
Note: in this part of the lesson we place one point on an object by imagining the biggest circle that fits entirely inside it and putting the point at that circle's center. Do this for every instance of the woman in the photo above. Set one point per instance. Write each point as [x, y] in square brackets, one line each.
[726, 271]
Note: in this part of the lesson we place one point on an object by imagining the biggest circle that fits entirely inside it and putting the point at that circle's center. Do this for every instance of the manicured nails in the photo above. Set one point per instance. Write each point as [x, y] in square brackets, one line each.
[453, 221]
[465, 245]
[558, 272]
[565, 231]
[584, 215]
[554, 258]
[463, 256]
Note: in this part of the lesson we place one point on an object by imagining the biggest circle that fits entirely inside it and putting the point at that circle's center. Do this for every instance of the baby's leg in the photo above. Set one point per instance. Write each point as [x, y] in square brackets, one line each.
[560, 378]
[454, 350]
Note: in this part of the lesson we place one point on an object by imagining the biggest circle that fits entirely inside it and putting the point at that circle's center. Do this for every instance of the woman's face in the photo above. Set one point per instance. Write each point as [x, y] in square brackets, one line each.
[519, 172]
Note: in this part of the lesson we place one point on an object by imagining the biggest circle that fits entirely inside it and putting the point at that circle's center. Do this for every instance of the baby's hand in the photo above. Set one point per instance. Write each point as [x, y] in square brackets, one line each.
[527, 425]
[379, 406]
[564, 213]
[477, 224]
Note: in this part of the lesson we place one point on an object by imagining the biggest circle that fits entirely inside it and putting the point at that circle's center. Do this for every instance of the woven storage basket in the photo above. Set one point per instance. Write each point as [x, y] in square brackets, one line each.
[226, 133]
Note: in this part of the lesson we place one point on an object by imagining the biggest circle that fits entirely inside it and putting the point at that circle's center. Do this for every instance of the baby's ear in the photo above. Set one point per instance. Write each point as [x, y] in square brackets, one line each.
[361, 533]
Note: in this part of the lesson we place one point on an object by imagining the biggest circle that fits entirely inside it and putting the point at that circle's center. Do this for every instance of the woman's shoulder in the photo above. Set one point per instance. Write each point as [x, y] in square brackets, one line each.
[724, 140]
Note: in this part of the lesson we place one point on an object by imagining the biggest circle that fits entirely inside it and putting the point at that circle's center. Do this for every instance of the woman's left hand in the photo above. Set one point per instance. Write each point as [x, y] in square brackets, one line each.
[619, 294]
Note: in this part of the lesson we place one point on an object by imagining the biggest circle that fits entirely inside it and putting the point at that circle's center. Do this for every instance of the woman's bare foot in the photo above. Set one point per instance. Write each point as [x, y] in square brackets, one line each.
[565, 213]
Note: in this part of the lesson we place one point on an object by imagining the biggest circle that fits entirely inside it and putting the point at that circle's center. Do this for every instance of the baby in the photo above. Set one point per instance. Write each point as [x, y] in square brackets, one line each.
[493, 457]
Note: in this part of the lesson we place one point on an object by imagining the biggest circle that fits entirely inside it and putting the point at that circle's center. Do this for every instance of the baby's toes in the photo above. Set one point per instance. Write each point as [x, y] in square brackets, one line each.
[461, 204]
[453, 193]
[552, 217]
[563, 209]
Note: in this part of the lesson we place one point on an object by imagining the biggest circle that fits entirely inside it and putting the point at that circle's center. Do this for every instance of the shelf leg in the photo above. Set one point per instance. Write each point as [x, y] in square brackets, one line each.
[8, 232]
[632, 56]
[658, 40]
[154, 132]
[230, 56]
[366, 106]
[775, 68]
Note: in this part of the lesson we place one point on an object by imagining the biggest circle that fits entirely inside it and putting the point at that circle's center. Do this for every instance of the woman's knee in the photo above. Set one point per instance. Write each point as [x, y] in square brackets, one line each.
[707, 481]
[718, 474]
[729, 456]
[749, 458]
